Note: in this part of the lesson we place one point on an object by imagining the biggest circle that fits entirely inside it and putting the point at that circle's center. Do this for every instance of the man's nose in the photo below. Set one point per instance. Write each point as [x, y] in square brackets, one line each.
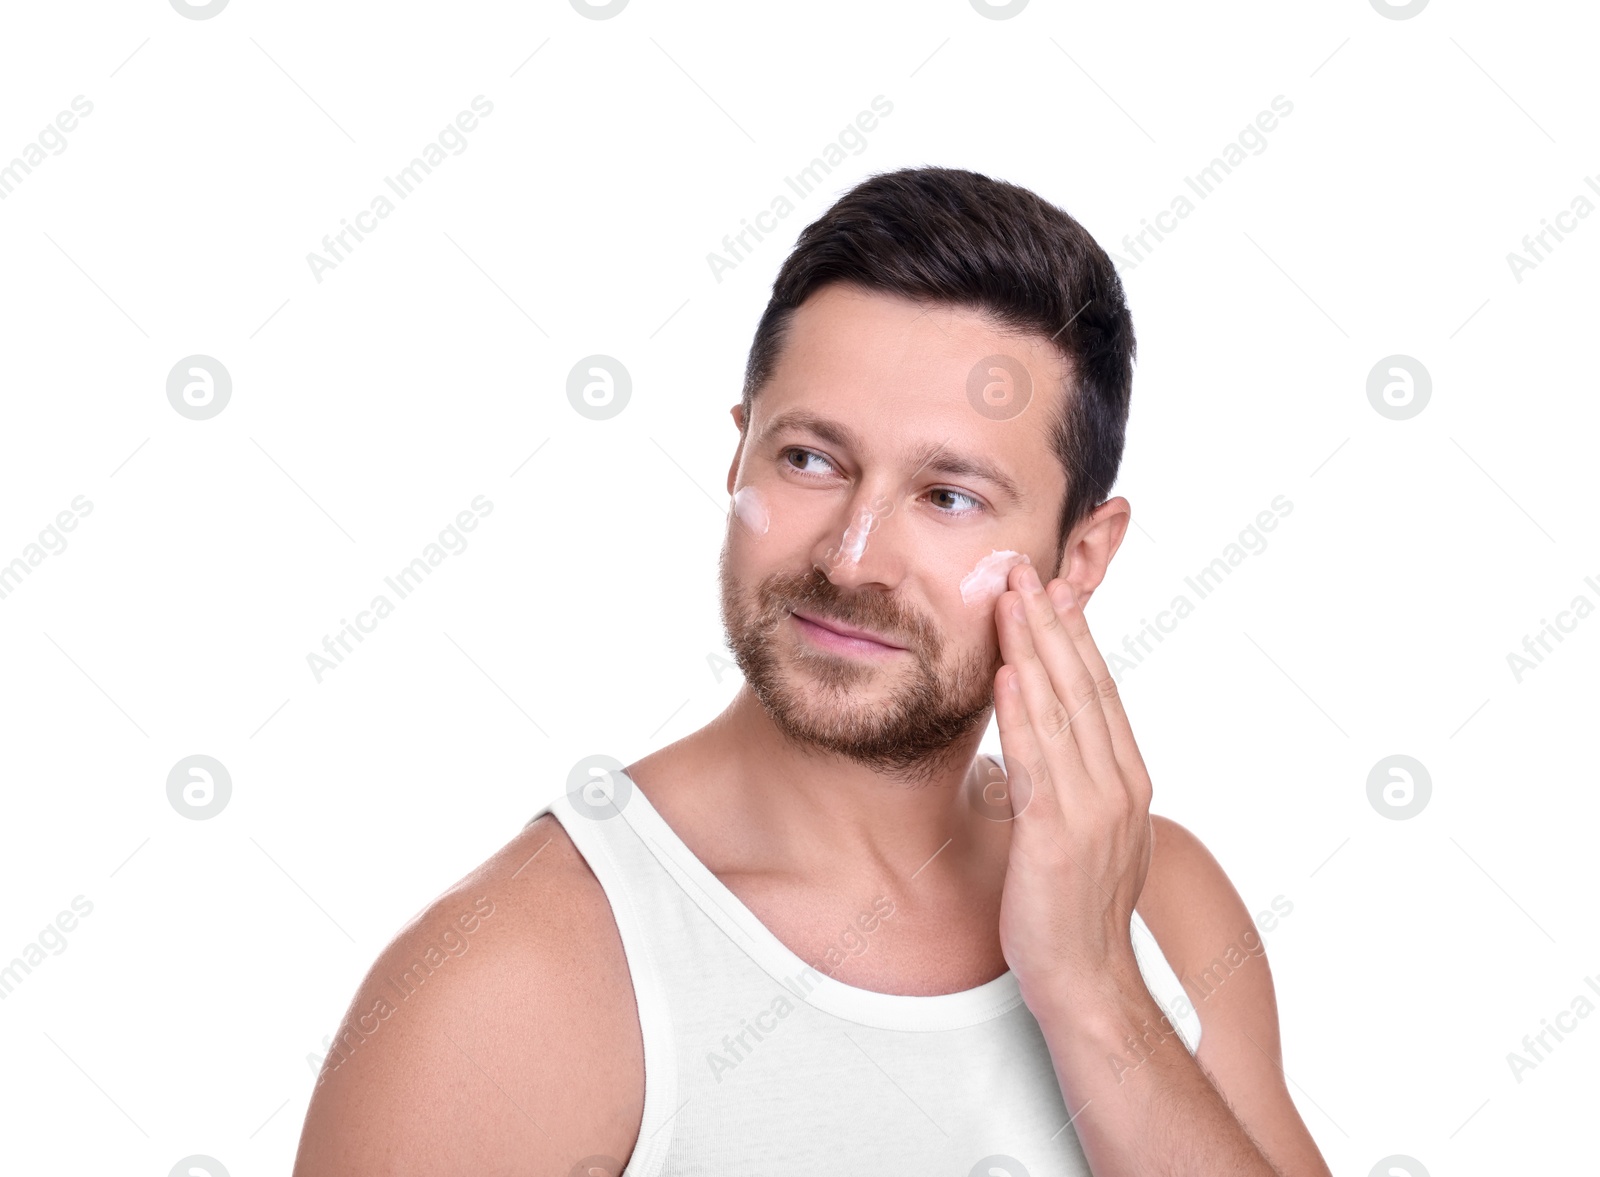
[860, 551]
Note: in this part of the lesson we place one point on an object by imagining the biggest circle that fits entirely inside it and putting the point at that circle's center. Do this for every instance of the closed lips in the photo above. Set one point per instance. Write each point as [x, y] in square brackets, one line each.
[848, 631]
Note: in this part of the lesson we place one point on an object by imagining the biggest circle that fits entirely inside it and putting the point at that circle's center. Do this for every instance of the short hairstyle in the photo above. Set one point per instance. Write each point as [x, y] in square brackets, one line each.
[955, 237]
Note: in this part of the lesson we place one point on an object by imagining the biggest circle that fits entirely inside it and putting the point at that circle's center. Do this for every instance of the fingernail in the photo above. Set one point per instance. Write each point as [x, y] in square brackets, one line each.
[1061, 594]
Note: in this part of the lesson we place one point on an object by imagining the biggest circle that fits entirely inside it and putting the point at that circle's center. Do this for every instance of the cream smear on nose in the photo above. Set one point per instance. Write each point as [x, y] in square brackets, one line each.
[988, 579]
[854, 542]
[751, 510]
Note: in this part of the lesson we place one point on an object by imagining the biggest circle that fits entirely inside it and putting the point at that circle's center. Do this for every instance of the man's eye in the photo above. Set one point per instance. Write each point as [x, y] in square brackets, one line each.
[944, 490]
[804, 454]
[798, 457]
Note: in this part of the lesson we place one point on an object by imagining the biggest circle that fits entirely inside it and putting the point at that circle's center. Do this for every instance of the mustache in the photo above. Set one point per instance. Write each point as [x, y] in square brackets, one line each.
[813, 592]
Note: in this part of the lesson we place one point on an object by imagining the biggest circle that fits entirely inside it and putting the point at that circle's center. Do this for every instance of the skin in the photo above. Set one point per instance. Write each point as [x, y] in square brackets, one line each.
[524, 1054]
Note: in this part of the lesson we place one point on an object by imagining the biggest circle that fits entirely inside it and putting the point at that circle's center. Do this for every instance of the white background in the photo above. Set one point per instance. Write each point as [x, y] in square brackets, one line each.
[372, 406]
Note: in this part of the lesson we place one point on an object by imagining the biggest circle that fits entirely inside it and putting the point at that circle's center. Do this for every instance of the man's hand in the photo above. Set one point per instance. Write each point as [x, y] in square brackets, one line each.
[1080, 796]
[1081, 844]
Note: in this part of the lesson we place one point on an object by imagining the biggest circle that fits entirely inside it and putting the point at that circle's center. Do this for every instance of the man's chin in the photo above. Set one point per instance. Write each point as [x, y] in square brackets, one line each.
[819, 672]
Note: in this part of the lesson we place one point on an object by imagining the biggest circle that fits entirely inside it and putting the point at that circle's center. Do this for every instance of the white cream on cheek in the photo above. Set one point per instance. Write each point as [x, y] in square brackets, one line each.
[988, 579]
[751, 510]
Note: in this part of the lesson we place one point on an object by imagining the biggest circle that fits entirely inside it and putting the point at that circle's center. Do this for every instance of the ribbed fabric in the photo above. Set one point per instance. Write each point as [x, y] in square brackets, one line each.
[756, 1064]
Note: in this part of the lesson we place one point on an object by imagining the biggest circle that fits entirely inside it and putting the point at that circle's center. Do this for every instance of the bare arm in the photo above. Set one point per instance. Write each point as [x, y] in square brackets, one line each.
[1147, 1106]
[486, 1036]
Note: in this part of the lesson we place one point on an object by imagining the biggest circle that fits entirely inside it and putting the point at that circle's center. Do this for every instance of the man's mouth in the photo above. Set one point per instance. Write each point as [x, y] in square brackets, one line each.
[836, 635]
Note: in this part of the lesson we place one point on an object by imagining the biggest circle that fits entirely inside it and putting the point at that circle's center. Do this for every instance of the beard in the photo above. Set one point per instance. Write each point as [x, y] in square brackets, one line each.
[814, 697]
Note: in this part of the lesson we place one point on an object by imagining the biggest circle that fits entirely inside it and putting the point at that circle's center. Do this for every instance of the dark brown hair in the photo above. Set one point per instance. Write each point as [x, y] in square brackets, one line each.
[950, 236]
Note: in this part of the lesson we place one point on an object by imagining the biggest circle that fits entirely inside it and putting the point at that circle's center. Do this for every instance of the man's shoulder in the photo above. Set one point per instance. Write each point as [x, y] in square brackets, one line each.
[537, 898]
[1188, 900]
[498, 1021]
[530, 911]
[1210, 939]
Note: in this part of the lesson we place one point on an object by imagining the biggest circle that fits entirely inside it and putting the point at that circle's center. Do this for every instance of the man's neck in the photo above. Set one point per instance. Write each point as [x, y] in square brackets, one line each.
[757, 802]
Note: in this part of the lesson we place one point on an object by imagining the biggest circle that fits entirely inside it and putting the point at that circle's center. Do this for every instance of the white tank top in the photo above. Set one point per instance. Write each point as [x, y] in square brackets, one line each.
[754, 1062]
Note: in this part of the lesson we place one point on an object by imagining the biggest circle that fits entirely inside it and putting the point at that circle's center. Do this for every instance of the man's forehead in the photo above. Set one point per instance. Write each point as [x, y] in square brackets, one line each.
[844, 321]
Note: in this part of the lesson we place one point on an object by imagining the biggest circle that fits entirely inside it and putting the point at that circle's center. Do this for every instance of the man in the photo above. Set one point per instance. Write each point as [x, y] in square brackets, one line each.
[819, 935]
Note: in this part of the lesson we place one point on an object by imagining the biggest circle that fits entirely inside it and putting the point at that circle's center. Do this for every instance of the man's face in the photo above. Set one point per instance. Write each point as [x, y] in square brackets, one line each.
[870, 495]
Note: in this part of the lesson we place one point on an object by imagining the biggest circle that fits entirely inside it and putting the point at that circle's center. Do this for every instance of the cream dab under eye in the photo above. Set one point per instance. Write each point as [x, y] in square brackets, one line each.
[751, 510]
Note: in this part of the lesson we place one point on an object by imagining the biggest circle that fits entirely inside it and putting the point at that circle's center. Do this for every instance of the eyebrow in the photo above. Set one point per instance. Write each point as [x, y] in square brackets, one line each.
[934, 457]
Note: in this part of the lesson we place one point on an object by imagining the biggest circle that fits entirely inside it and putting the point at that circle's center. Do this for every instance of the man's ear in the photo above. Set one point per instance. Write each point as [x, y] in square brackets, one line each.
[1091, 546]
[733, 469]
